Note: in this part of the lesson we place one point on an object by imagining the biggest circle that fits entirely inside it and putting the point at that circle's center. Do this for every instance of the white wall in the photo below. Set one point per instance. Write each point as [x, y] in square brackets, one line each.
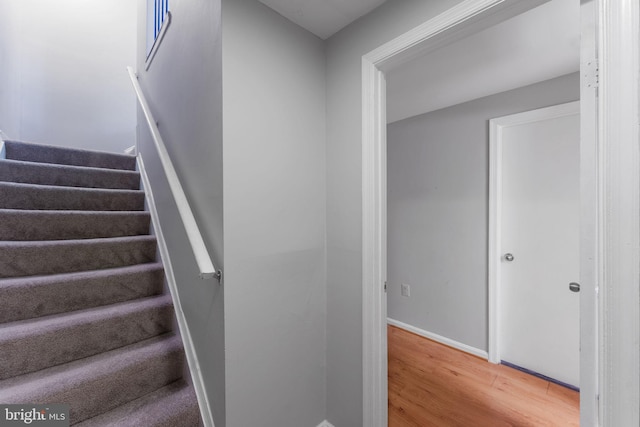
[183, 86]
[64, 80]
[274, 218]
[438, 178]
[9, 84]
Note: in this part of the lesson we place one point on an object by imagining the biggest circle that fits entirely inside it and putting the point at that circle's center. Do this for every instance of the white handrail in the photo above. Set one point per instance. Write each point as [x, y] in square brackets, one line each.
[207, 270]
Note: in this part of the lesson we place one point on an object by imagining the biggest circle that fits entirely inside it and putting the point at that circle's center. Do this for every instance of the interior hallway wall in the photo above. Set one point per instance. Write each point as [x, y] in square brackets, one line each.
[64, 80]
[438, 180]
[274, 218]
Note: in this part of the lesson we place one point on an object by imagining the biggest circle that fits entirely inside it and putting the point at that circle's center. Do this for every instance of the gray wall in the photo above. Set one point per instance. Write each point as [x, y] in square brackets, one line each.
[184, 89]
[274, 218]
[63, 79]
[438, 178]
[344, 195]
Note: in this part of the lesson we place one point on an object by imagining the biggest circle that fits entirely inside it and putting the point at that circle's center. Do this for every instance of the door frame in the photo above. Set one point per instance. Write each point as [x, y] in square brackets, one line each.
[610, 208]
[496, 127]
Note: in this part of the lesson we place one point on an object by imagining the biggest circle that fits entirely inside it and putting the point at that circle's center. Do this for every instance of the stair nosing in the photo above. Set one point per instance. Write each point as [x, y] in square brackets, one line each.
[80, 242]
[74, 167]
[127, 269]
[73, 212]
[76, 189]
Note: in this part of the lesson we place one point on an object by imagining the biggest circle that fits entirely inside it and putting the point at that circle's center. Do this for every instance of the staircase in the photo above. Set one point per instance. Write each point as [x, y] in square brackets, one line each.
[84, 318]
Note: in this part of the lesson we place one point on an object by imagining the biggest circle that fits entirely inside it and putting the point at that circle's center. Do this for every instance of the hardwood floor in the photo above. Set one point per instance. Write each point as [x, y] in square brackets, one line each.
[434, 385]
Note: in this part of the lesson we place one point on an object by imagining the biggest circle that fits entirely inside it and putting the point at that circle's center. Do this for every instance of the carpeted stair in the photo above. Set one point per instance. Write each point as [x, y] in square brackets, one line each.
[84, 318]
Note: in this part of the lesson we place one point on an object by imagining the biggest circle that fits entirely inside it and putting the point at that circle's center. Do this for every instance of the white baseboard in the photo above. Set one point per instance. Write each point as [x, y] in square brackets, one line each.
[189, 348]
[325, 423]
[438, 338]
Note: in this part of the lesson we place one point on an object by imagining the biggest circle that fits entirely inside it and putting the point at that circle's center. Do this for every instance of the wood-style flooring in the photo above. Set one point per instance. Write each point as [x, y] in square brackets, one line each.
[434, 385]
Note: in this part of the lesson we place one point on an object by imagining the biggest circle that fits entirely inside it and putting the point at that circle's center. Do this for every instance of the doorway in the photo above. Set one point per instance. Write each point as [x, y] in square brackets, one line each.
[465, 19]
[438, 165]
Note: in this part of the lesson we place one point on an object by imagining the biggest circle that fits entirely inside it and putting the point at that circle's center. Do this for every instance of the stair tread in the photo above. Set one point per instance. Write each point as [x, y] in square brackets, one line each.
[33, 224]
[67, 175]
[51, 197]
[123, 172]
[23, 328]
[33, 258]
[42, 382]
[60, 338]
[44, 153]
[102, 382]
[172, 405]
[30, 297]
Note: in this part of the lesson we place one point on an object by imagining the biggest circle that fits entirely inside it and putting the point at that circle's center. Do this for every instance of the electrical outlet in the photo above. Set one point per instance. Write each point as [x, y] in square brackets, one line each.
[405, 290]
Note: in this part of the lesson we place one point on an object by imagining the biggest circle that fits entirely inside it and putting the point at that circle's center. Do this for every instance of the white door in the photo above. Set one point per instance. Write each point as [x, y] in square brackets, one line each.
[539, 242]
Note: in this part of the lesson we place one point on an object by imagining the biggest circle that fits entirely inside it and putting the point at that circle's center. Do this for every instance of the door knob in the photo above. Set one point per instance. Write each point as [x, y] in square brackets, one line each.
[574, 287]
[508, 257]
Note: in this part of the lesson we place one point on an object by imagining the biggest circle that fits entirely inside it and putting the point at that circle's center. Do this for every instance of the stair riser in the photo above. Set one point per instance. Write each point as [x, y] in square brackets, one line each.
[75, 337]
[90, 392]
[16, 196]
[18, 225]
[43, 174]
[18, 259]
[31, 297]
[67, 156]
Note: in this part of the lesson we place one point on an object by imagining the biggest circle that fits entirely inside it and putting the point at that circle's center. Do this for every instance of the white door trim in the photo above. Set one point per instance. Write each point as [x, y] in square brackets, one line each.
[612, 164]
[496, 128]
[374, 247]
[589, 367]
[618, 210]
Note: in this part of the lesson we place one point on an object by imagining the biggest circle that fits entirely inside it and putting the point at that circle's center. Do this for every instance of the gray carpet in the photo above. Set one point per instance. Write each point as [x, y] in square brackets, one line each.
[83, 317]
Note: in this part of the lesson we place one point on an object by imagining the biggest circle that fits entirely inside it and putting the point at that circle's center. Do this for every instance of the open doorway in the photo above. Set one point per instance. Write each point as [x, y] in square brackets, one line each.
[438, 170]
[377, 68]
